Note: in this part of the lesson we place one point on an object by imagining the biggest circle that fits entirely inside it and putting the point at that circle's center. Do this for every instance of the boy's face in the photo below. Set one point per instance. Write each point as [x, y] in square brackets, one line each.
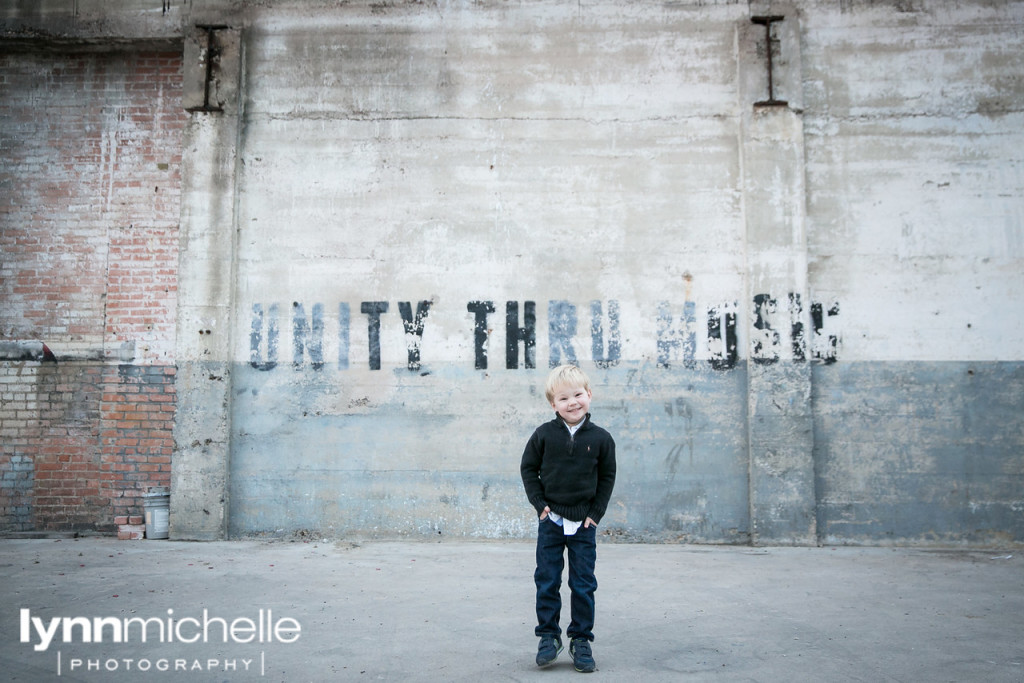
[571, 403]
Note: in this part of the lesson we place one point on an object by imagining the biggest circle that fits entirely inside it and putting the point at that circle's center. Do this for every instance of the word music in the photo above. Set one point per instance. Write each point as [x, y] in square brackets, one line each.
[676, 336]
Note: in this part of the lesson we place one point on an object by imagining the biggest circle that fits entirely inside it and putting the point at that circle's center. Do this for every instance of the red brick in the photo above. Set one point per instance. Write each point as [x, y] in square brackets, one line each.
[58, 243]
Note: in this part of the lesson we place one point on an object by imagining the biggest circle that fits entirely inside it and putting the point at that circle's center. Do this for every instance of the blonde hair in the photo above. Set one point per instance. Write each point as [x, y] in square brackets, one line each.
[565, 375]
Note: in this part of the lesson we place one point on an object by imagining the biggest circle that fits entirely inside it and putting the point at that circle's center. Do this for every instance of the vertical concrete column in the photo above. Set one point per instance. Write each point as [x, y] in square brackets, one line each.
[779, 421]
[206, 278]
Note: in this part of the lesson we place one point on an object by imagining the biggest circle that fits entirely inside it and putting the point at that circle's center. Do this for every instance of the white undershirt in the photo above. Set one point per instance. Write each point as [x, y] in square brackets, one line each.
[568, 526]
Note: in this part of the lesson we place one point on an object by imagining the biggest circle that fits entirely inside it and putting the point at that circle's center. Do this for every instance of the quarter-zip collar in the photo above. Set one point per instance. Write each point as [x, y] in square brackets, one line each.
[578, 427]
[572, 430]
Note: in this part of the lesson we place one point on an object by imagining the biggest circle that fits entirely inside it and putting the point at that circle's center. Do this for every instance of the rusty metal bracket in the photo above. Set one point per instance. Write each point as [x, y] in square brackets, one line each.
[767, 22]
[212, 52]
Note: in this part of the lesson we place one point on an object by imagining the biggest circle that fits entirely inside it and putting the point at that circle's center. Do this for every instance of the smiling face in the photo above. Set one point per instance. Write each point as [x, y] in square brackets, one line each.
[571, 402]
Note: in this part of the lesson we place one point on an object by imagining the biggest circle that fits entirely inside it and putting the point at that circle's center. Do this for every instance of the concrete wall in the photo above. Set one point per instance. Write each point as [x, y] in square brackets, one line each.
[913, 124]
[798, 298]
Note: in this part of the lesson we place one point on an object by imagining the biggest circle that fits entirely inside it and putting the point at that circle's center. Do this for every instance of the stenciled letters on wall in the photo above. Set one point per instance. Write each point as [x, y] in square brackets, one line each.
[676, 337]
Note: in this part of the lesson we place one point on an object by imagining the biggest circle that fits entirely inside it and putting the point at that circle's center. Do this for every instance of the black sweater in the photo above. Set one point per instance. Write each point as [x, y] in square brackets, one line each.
[572, 475]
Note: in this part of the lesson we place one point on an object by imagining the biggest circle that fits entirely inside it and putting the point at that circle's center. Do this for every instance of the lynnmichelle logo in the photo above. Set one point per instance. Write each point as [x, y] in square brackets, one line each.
[145, 632]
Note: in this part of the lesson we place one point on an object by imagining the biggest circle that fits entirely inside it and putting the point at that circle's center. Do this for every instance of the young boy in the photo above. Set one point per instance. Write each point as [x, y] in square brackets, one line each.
[568, 471]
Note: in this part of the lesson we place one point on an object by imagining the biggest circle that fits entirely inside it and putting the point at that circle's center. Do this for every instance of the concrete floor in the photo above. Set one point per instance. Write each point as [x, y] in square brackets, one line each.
[463, 611]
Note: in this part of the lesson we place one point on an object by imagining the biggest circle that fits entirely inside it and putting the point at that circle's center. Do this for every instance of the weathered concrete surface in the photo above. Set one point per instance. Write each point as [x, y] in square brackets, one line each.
[395, 461]
[914, 226]
[438, 160]
[779, 435]
[93, 24]
[407, 211]
[441, 159]
[914, 452]
[463, 611]
[202, 429]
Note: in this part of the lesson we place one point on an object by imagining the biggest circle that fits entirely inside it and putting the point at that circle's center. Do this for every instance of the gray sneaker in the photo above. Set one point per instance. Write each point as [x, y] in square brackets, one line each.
[582, 658]
[548, 650]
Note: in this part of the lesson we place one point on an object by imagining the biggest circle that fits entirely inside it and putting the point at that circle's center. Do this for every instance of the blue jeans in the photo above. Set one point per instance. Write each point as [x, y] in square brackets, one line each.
[551, 545]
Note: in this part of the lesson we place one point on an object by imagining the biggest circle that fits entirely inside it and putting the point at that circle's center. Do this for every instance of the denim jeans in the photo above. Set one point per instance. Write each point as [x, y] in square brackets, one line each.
[551, 545]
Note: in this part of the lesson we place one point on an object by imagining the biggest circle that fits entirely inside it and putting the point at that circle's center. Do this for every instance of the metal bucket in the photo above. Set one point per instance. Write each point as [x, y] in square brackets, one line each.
[157, 506]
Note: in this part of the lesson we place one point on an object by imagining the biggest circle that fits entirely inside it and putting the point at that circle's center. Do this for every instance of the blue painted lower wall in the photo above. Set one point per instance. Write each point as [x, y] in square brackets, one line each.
[394, 453]
[927, 453]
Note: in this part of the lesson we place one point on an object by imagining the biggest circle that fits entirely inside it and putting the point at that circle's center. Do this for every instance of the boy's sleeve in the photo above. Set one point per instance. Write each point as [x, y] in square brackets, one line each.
[529, 468]
[605, 482]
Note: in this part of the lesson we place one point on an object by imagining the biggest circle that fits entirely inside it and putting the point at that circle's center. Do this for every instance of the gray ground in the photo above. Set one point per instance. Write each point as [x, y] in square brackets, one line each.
[463, 611]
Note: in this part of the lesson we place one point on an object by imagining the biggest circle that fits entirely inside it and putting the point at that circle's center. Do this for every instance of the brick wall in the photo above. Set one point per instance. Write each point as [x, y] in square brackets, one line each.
[90, 158]
[136, 418]
[17, 470]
